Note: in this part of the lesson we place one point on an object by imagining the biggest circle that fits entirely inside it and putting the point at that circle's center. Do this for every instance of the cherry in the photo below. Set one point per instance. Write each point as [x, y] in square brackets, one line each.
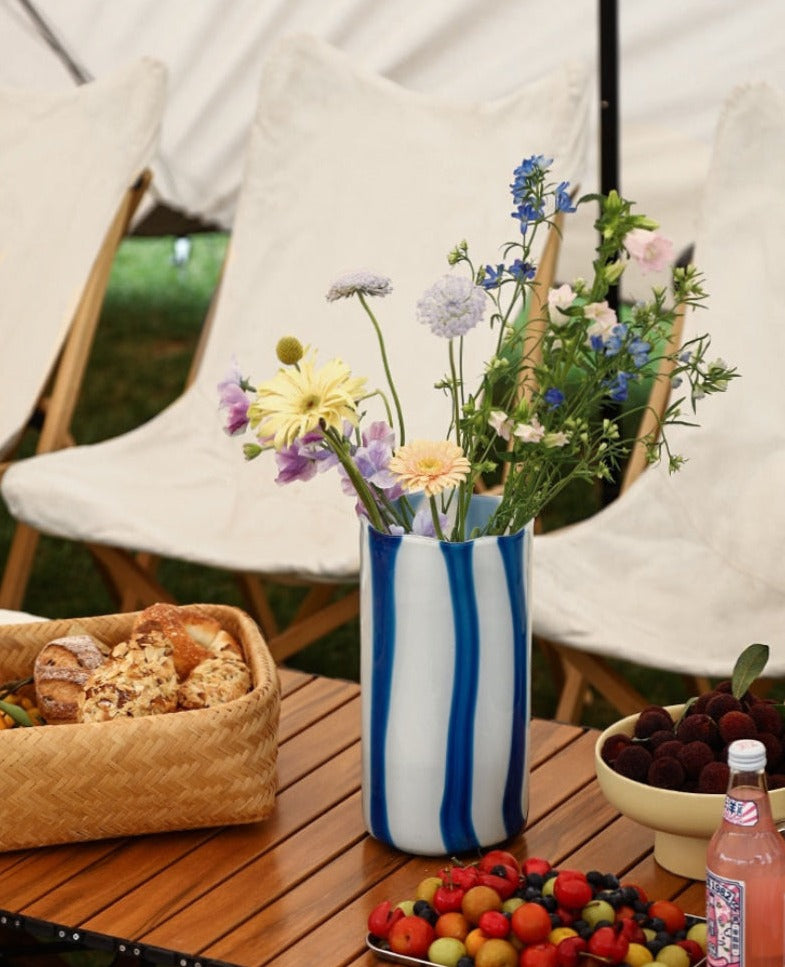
[382, 917]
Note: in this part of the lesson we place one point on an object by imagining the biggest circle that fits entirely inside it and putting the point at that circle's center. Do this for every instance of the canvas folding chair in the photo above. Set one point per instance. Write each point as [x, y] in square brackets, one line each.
[73, 167]
[344, 170]
[683, 571]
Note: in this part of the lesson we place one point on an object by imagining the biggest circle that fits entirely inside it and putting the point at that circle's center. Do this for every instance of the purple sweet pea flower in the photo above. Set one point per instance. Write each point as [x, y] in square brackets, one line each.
[303, 459]
[372, 459]
[233, 399]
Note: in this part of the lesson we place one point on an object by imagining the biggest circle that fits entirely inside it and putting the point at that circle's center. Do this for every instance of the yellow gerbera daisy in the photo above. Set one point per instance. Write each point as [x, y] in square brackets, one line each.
[429, 465]
[297, 401]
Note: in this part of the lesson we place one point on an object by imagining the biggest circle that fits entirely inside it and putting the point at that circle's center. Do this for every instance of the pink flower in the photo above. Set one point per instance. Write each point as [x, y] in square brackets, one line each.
[558, 299]
[604, 319]
[501, 423]
[652, 251]
[531, 432]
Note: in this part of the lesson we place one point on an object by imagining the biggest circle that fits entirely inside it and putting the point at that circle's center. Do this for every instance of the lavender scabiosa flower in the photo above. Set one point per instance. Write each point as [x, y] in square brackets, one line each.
[234, 399]
[359, 282]
[452, 306]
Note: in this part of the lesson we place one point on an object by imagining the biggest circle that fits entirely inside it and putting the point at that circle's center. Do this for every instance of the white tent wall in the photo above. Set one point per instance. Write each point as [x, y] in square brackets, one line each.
[677, 62]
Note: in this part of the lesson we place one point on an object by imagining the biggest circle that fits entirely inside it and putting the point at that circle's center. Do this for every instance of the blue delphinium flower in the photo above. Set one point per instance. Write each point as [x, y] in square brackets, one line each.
[521, 270]
[639, 350]
[617, 387]
[492, 277]
[562, 198]
[553, 397]
[615, 342]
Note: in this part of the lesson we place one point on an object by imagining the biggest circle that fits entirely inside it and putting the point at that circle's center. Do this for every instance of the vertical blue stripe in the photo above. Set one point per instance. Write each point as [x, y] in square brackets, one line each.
[512, 549]
[383, 550]
[456, 808]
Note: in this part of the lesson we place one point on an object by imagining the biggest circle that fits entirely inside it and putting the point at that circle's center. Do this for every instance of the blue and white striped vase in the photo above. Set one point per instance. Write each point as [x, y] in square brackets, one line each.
[445, 675]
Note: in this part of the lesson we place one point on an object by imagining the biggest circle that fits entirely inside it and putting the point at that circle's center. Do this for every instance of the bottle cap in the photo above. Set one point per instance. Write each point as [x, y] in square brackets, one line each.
[747, 755]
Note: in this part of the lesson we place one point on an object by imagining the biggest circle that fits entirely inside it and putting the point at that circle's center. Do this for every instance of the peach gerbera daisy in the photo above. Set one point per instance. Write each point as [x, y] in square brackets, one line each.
[429, 465]
[297, 401]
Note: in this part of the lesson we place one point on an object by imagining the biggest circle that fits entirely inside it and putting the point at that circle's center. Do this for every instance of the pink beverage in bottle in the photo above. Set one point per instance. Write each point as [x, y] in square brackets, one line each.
[745, 870]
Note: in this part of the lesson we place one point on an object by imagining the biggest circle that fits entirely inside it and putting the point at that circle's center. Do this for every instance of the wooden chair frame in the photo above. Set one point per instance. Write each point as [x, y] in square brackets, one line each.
[54, 411]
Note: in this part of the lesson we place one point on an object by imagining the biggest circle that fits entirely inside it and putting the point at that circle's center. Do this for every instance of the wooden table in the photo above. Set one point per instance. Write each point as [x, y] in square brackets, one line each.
[296, 889]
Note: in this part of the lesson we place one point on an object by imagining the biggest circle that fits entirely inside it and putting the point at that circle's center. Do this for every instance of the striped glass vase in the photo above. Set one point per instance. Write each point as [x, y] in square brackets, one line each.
[445, 675]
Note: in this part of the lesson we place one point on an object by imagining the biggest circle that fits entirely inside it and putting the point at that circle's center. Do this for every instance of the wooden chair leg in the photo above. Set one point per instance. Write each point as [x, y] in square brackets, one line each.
[304, 632]
[611, 684]
[127, 579]
[18, 567]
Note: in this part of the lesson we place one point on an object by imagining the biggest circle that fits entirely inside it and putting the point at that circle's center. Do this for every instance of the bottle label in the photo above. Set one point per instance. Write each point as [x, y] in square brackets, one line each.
[740, 812]
[724, 921]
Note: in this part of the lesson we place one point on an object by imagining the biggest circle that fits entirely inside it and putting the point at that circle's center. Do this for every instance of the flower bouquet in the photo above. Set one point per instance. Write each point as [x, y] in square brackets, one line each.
[445, 625]
[547, 408]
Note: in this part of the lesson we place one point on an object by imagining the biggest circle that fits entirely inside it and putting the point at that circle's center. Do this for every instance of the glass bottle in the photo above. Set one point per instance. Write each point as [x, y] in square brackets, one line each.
[745, 870]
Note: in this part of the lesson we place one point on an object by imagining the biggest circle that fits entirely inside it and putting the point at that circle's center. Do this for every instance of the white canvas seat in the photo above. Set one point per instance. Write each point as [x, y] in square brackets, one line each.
[683, 571]
[344, 170]
[73, 167]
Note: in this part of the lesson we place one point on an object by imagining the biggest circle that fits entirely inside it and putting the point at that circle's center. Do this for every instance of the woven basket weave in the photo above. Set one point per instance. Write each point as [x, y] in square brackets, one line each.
[188, 769]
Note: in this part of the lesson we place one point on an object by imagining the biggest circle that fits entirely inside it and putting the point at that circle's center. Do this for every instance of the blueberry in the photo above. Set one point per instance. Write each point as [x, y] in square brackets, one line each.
[531, 893]
[656, 924]
[425, 911]
[536, 880]
[630, 895]
[465, 962]
[611, 882]
[550, 903]
[596, 878]
[499, 871]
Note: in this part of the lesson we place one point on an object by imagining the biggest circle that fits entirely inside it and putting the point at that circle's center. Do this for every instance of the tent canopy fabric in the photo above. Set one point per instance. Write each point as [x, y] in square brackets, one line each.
[677, 62]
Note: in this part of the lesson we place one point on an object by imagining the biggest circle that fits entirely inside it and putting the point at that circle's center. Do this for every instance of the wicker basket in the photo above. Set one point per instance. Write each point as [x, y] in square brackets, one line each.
[206, 767]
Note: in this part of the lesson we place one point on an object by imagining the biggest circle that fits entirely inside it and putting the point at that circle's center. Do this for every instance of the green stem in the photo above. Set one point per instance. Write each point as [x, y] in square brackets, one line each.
[435, 518]
[386, 364]
[357, 479]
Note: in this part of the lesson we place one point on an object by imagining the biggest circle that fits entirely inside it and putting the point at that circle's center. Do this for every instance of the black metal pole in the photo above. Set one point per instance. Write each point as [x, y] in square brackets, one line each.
[609, 100]
[609, 153]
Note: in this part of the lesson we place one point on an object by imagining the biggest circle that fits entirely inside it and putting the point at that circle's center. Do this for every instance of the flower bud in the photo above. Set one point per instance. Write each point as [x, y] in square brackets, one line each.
[613, 271]
[289, 350]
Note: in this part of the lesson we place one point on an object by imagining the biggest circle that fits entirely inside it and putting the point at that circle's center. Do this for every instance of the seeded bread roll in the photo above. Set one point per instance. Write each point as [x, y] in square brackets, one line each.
[213, 682]
[164, 619]
[138, 679]
[60, 672]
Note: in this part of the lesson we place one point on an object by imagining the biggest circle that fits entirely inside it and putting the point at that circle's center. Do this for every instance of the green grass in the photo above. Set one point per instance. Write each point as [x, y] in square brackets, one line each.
[149, 329]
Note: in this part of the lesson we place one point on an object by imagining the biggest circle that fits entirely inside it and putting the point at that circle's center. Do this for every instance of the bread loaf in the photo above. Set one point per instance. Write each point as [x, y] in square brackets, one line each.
[214, 682]
[60, 672]
[164, 620]
[138, 679]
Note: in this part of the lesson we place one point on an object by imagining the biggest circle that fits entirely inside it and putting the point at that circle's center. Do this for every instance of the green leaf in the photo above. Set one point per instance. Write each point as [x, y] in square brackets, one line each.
[687, 705]
[17, 714]
[748, 667]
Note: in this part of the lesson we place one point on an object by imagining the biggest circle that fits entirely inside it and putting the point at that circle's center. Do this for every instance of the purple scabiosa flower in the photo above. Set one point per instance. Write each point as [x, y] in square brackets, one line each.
[553, 397]
[452, 306]
[234, 399]
[359, 282]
